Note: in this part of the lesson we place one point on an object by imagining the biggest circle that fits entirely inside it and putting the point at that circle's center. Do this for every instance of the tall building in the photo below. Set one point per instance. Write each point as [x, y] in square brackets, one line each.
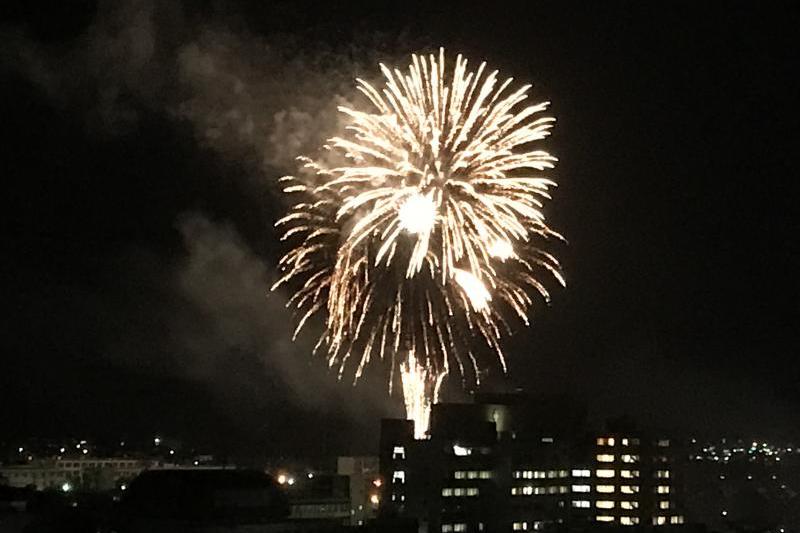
[523, 463]
[634, 481]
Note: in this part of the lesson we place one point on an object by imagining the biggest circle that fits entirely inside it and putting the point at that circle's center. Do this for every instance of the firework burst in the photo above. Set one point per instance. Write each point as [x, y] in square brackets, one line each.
[430, 236]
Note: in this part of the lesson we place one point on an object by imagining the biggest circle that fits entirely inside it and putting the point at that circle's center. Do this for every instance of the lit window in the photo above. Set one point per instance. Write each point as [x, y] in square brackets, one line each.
[629, 489]
[676, 520]
[629, 505]
[447, 492]
[563, 473]
[581, 473]
[605, 441]
[604, 504]
[628, 520]
[460, 527]
[520, 526]
[626, 458]
[625, 442]
[548, 440]
[629, 473]
[659, 520]
[663, 443]
[662, 489]
[472, 491]
[662, 474]
[663, 504]
[472, 474]
[552, 473]
[563, 489]
[581, 488]
[447, 528]
[485, 474]
[399, 476]
[580, 504]
[461, 451]
[539, 474]
[604, 473]
[605, 489]
[399, 452]
[459, 474]
[605, 458]
[604, 518]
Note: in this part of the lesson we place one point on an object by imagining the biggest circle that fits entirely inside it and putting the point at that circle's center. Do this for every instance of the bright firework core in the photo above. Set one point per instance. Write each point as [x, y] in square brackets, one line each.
[418, 214]
[422, 247]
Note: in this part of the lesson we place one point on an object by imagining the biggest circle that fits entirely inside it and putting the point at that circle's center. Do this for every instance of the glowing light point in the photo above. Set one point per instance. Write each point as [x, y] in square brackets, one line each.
[476, 291]
[66, 487]
[501, 249]
[461, 451]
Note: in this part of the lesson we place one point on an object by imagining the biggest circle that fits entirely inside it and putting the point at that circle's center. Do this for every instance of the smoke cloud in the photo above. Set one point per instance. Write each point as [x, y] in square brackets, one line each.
[254, 103]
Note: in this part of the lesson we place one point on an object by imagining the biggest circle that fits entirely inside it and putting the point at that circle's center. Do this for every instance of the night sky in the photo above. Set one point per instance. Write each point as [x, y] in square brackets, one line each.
[144, 140]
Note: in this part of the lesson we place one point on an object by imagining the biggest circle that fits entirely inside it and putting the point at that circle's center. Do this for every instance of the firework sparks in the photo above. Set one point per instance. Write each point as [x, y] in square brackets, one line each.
[430, 234]
[421, 386]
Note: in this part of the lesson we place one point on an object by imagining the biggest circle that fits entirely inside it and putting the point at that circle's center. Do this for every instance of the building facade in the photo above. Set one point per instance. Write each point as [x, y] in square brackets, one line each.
[518, 463]
[68, 473]
[365, 486]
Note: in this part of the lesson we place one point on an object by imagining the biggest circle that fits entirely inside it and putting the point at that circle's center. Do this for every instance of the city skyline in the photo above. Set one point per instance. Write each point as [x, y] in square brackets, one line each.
[148, 138]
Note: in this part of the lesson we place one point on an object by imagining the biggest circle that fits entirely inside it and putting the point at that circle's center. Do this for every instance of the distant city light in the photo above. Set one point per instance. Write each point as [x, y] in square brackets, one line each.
[377, 482]
[724, 513]
[123, 487]
[66, 487]
[85, 451]
[374, 499]
[172, 452]
[157, 441]
[62, 450]
[310, 475]
[282, 479]
[290, 481]
[20, 449]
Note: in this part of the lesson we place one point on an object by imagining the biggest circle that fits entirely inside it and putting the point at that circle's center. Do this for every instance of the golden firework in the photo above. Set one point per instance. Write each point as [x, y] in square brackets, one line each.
[431, 231]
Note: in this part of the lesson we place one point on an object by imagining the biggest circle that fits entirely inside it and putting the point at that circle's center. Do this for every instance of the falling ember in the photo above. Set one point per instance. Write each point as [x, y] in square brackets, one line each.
[431, 235]
[420, 391]
[476, 291]
[501, 249]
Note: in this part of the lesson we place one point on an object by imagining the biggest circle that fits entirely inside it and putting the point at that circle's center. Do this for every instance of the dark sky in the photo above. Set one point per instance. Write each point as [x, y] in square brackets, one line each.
[142, 148]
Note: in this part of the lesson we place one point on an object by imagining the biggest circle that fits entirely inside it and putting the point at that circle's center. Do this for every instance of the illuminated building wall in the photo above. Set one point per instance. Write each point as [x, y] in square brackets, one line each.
[533, 475]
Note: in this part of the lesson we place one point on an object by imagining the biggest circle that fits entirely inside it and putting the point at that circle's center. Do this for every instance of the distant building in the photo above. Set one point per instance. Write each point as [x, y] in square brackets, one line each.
[523, 463]
[365, 483]
[67, 473]
[319, 497]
